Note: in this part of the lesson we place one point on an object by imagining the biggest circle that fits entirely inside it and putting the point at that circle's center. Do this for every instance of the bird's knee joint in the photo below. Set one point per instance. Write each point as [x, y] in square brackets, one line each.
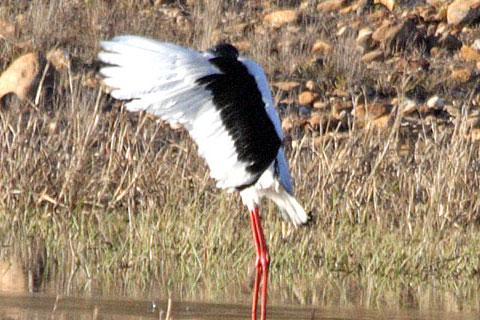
[258, 261]
[265, 260]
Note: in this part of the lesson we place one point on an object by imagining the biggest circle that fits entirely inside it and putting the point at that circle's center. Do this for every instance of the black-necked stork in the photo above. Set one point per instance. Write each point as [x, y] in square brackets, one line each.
[225, 103]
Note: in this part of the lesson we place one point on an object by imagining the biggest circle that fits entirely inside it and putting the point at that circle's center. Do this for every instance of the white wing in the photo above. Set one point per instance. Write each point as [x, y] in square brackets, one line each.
[160, 79]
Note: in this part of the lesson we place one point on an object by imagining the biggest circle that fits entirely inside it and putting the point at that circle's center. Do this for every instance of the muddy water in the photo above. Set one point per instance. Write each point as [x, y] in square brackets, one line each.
[39, 306]
[27, 293]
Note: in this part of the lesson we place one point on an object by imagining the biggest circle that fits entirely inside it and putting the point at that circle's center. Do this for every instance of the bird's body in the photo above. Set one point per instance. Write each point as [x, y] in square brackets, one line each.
[224, 102]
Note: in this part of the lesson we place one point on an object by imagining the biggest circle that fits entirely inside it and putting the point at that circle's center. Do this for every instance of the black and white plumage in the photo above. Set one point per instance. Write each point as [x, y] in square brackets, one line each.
[224, 102]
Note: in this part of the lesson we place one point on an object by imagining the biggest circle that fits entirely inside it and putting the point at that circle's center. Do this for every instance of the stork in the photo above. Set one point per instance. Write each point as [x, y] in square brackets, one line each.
[223, 100]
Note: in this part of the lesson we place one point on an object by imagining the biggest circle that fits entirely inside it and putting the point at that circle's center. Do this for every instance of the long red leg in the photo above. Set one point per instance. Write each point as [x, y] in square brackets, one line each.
[257, 263]
[262, 262]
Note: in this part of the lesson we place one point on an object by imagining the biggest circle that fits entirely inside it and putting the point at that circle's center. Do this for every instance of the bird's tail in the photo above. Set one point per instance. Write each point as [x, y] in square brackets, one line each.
[291, 209]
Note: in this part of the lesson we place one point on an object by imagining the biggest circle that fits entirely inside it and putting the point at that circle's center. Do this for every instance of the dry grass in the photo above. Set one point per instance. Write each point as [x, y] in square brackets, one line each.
[122, 200]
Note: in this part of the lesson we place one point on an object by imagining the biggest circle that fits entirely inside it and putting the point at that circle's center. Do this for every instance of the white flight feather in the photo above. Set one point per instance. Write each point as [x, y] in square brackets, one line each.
[160, 78]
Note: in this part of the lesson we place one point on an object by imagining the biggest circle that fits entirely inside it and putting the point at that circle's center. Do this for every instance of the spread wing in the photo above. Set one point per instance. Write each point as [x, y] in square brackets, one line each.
[163, 79]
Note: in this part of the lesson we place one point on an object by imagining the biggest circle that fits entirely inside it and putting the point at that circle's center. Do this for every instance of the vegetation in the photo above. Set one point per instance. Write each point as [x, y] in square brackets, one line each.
[121, 200]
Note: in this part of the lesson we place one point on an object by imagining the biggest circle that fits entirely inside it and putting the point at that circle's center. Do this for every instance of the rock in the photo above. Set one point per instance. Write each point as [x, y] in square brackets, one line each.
[374, 114]
[321, 47]
[380, 122]
[462, 75]
[318, 120]
[475, 134]
[286, 85]
[442, 27]
[158, 3]
[364, 33]
[325, 123]
[372, 56]
[281, 17]
[310, 85]
[344, 120]
[60, 58]
[20, 75]
[427, 14]
[408, 106]
[330, 5]
[452, 111]
[387, 3]
[436, 52]
[372, 110]
[320, 105]
[470, 54]
[306, 98]
[304, 111]
[476, 45]
[6, 28]
[449, 42]
[437, 3]
[347, 10]
[363, 38]
[379, 35]
[361, 6]
[461, 12]
[424, 111]
[435, 103]
[305, 5]
[413, 64]
[341, 31]
[341, 93]
[340, 107]
[399, 36]
[287, 124]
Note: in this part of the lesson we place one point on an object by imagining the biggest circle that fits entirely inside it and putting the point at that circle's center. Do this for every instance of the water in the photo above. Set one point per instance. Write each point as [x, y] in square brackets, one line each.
[26, 293]
[40, 306]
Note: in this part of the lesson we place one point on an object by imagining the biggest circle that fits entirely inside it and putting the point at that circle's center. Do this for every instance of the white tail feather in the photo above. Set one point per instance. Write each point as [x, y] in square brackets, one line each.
[291, 209]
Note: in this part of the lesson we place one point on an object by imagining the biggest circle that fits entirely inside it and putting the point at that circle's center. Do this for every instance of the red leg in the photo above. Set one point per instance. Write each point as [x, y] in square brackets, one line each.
[262, 262]
[257, 270]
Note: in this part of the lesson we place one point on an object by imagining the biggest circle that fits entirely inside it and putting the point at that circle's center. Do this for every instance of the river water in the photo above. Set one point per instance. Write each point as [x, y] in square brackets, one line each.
[40, 306]
[26, 294]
